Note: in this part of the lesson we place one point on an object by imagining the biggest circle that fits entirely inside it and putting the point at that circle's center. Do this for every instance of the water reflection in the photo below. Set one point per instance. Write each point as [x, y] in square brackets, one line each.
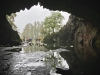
[53, 46]
[37, 60]
[54, 60]
[34, 48]
[82, 59]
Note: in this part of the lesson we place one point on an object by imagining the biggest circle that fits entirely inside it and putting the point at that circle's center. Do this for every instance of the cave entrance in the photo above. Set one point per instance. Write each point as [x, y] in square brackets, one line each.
[30, 23]
[80, 55]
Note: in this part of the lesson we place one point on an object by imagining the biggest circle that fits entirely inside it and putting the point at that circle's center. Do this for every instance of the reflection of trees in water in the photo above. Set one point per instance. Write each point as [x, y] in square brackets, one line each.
[53, 59]
[53, 46]
[82, 59]
[34, 48]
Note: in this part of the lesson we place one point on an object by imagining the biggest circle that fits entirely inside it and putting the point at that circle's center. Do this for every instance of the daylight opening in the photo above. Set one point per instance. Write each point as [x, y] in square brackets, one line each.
[37, 22]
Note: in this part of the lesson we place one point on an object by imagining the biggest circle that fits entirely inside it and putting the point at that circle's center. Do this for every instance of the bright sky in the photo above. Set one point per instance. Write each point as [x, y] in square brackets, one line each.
[35, 13]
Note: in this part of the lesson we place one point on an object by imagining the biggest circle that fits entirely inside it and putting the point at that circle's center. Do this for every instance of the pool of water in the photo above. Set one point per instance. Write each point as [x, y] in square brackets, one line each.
[31, 60]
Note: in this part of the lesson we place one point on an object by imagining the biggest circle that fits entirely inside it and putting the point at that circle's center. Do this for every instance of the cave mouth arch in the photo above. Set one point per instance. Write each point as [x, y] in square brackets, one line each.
[14, 27]
[37, 12]
[89, 10]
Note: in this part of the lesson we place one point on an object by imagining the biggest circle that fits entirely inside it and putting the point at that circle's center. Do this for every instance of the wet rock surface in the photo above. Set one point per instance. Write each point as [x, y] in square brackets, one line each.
[15, 61]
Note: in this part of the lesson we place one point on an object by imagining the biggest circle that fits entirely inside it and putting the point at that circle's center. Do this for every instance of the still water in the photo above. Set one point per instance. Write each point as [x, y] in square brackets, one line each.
[31, 60]
[43, 60]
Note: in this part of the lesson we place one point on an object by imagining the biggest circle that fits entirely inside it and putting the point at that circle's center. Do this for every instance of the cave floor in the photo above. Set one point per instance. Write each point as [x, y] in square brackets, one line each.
[24, 60]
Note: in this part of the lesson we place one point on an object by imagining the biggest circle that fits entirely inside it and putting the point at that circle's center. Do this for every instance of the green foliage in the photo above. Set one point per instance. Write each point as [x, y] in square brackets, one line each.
[44, 30]
[11, 19]
[51, 38]
[58, 37]
[33, 31]
[53, 22]
[52, 60]
[28, 31]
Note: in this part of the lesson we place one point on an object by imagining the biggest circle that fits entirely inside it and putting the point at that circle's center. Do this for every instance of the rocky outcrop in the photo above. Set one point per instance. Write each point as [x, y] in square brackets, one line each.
[8, 37]
[76, 30]
[81, 31]
[83, 58]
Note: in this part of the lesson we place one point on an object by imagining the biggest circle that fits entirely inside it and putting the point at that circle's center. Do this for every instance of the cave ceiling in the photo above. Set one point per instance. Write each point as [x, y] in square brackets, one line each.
[86, 9]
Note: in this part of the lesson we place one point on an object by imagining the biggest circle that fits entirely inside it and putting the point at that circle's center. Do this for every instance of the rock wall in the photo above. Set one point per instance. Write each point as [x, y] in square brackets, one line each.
[80, 31]
[83, 56]
[8, 37]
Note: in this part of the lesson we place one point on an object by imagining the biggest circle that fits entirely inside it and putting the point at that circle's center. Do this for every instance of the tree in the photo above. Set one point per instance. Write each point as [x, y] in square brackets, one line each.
[53, 22]
[37, 28]
[28, 31]
[11, 20]
[33, 30]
